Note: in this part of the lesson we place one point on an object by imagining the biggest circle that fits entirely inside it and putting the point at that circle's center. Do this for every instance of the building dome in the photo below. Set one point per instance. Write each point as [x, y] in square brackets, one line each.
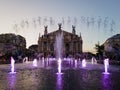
[112, 44]
[117, 36]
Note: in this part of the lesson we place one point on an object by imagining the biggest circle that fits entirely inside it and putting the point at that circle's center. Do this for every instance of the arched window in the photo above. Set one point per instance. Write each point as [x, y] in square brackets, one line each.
[45, 46]
[67, 46]
[52, 47]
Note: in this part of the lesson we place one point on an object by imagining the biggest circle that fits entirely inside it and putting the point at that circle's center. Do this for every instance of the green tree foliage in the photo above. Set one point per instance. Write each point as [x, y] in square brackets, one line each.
[99, 50]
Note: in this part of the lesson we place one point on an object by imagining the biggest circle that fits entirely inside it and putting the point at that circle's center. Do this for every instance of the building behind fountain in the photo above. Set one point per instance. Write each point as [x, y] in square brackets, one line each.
[71, 43]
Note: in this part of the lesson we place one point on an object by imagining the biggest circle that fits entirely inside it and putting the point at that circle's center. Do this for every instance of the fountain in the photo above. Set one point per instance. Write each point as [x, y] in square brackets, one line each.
[106, 65]
[59, 65]
[93, 60]
[43, 62]
[83, 63]
[35, 62]
[75, 63]
[25, 60]
[59, 38]
[12, 66]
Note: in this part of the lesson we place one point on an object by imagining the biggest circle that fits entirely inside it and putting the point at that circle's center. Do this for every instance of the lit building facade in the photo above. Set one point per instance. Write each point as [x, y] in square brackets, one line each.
[71, 43]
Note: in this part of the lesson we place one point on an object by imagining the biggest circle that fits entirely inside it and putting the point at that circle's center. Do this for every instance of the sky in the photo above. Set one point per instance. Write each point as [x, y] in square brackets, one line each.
[96, 20]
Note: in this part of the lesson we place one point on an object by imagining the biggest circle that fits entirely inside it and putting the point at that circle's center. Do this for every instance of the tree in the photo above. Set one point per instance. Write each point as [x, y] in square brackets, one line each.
[99, 49]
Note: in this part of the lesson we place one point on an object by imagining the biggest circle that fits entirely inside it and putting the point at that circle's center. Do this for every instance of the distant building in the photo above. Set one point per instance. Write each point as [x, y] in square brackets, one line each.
[112, 45]
[33, 49]
[71, 46]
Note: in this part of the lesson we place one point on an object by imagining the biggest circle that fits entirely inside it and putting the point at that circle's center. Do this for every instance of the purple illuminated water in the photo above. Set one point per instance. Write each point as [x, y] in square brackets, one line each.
[106, 65]
[35, 62]
[25, 60]
[12, 66]
[75, 63]
[59, 42]
[93, 60]
[59, 85]
[59, 65]
[84, 63]
[45, 78]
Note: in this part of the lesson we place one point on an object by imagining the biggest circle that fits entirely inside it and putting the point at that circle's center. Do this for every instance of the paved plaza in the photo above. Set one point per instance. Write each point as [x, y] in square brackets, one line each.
[45, 77]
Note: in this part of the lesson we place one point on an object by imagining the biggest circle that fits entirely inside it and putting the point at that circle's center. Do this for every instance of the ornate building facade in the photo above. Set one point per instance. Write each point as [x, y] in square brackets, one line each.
[71, 43]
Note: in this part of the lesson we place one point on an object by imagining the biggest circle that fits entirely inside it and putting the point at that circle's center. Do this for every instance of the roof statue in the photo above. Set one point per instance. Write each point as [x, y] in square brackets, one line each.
[45, 27]
[73, 29]
[45, 32]
[59, 26]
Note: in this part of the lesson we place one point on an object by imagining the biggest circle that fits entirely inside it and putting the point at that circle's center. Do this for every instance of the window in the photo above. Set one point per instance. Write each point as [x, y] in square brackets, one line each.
[52, 47]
